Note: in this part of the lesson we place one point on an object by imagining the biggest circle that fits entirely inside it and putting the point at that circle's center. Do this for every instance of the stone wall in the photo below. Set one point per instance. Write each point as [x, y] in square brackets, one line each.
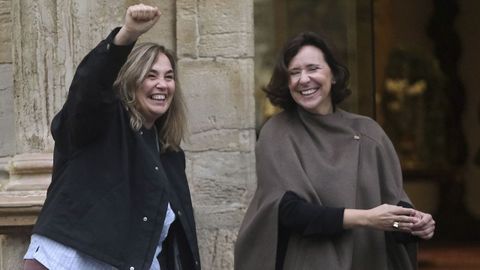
[7, 134]
[215, 50]
[41, 43]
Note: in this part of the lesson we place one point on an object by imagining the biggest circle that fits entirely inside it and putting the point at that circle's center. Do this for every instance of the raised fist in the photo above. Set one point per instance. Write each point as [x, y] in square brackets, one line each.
[140, 18]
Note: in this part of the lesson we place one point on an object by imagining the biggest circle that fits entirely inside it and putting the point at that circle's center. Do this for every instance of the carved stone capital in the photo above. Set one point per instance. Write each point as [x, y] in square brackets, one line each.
[24, 180]
[29, 172]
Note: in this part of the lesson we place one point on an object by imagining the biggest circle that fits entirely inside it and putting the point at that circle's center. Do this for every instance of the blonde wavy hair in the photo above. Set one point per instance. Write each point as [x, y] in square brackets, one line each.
[171, 125]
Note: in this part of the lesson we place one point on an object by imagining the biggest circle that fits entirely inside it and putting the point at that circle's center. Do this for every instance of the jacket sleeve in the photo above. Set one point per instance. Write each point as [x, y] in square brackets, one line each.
[91, 100]
[298, 215]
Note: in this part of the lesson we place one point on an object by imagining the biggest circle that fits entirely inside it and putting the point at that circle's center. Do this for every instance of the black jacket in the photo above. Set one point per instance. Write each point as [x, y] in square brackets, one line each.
[109, 191]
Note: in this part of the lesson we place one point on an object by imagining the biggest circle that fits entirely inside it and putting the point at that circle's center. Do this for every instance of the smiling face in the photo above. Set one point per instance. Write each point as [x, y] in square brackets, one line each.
[156, 92]
[310, 80]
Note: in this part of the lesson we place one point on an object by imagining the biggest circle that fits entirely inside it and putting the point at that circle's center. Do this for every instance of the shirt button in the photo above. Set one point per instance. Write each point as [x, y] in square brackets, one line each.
[356, 137]
[196, 263]
[141, 132]
[145, 219]
[179, 213]
[132, 268]
[156, 168]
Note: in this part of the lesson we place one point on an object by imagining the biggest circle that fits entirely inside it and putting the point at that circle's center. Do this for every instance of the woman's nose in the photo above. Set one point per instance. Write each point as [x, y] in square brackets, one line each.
[304, 78]
[161, 84]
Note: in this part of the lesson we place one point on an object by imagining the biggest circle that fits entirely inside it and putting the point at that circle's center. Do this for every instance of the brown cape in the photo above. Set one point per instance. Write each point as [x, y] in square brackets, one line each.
[335, 160]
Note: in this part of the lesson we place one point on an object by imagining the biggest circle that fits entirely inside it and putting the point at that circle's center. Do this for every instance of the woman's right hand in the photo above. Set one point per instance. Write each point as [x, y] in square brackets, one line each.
[387, 217]
[138, 20]
[382, 217]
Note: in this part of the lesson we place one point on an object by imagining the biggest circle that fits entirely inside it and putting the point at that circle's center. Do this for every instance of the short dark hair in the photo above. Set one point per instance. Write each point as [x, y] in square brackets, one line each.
[277, 89]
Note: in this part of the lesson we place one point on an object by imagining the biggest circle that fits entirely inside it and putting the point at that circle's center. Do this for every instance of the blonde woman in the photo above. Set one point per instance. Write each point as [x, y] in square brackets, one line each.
[119, 197]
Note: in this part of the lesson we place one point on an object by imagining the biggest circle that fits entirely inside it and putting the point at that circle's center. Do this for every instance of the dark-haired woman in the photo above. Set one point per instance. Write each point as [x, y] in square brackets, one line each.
[329, 193]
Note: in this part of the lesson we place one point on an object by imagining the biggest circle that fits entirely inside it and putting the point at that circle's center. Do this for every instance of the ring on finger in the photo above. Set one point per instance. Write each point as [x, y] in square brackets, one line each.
[396, 225]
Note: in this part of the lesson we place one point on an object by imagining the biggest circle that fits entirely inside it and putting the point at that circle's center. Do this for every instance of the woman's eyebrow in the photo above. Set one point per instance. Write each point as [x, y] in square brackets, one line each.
[156, 71]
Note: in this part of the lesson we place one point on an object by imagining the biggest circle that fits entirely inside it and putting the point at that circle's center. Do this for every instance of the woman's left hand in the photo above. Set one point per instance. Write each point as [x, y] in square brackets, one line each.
[425, 227]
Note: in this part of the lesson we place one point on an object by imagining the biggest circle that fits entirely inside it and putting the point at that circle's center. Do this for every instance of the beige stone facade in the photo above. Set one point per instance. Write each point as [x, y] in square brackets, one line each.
[41, 43]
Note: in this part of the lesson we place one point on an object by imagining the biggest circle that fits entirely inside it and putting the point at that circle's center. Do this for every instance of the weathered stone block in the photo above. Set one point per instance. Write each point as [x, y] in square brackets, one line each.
[242, 140]
[220, 178]
[12, 249]
[5, 32]
[219, 217]
[219, 93]
[216, 248]
[225, 16]
[187, 44]
[225, 28]
[7, 114]
[187, 29]
[226, 45]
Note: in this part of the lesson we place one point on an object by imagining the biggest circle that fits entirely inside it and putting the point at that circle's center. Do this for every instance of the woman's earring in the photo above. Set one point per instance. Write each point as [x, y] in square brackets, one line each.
[334, 82]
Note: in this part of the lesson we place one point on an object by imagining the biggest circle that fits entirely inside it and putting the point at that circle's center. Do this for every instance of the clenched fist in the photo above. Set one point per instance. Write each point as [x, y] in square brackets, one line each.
[138, 20]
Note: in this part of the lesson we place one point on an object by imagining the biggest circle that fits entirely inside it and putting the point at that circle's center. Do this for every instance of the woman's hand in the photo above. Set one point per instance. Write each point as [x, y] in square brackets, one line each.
[385, 217]
[388, 217]
[424, 228]
[138, 20]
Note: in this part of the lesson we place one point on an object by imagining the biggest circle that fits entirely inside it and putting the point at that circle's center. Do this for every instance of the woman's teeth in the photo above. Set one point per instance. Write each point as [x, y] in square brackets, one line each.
[158, 97]
[308, 91]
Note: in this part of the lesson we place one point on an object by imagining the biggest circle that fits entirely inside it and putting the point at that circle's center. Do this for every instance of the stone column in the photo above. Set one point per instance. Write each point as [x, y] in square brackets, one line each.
[215, 50]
